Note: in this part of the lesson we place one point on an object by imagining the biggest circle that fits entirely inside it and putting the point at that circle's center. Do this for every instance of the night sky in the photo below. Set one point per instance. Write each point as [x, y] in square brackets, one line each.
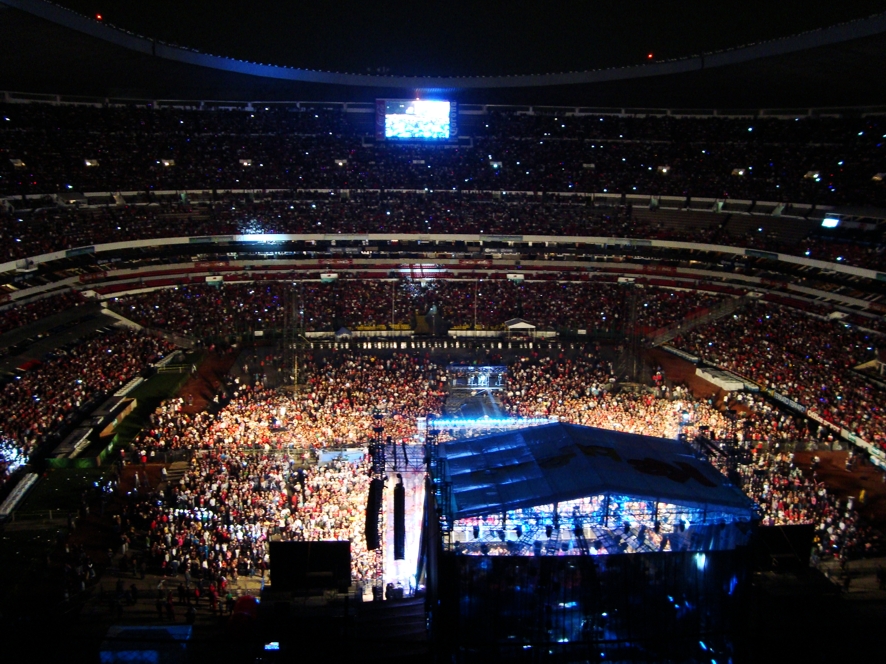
[430, 37]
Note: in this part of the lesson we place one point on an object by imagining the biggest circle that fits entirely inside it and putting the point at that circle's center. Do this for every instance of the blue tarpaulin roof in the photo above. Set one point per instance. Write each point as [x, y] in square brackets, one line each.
[558, 462]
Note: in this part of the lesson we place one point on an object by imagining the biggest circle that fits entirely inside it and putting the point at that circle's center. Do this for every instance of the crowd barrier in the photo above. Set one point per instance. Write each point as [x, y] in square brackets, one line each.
[25, 484]
[722, 379]
[689, 357]
[349, 454]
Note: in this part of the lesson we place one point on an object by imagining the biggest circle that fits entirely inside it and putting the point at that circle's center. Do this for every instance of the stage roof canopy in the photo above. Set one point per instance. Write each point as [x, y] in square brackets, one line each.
[558, 462]
[519, 324]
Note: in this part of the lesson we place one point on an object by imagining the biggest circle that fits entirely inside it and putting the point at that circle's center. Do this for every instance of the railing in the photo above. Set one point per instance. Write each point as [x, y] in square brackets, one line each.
[543, 241]
[24, 484]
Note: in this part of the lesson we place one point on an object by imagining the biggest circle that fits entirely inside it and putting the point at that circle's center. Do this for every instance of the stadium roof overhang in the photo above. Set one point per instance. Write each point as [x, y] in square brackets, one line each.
[56, 51]
[560, 462]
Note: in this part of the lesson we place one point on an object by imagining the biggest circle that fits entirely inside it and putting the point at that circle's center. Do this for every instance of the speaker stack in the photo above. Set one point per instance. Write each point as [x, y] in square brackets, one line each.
[373, 508]
[399, 521]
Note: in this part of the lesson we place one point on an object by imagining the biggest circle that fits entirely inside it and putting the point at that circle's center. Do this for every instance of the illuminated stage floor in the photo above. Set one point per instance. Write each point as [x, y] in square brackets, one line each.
[402, 572]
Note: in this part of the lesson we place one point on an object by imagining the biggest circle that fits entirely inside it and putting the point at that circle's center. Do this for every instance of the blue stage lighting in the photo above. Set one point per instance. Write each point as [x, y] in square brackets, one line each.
[489, 422]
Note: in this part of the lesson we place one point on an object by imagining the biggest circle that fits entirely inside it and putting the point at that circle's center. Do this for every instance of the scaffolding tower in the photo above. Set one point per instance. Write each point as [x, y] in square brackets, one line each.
[437, 473]
[293, 327]
[378, 473]
[630, 365]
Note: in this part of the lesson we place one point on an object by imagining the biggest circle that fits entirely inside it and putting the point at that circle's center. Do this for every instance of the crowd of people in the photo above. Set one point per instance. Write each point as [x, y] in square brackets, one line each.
[785, 494]
[204, 311]
[577, 389]
[46, 227]
[354, 304]
[37, 402]
[761, 439]
[209, 311]
[248, 478]
[253, 474]
[138, 149]
[803, 357]
[217, 521]
[16, 316]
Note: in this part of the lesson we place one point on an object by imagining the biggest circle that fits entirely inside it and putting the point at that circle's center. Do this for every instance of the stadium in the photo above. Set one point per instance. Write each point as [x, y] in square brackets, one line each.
[420, 334]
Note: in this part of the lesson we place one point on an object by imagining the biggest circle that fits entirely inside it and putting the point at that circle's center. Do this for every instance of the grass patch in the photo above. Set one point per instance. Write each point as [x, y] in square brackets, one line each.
[61, 488]
[149, 395]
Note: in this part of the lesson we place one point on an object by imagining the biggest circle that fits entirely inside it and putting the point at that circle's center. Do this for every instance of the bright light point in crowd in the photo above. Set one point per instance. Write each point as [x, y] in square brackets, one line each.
[98, 17]
[830, 222]
[649, 56]
[490, 422]
[700, 560]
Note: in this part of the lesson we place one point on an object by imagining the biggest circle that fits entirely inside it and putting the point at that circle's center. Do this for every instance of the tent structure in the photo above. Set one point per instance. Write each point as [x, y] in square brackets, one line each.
[518, 326]
[876, 367]
[623, 491]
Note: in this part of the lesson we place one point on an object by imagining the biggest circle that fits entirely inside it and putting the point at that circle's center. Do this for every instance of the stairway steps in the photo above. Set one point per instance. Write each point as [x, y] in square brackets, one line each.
[175, 471]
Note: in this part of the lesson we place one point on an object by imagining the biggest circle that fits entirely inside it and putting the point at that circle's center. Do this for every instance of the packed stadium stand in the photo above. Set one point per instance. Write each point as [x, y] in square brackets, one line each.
[574, 382]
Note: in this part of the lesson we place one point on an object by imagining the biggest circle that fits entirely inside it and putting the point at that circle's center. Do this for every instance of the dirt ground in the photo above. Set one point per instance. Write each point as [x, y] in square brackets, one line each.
[202, 386]
[681, 371]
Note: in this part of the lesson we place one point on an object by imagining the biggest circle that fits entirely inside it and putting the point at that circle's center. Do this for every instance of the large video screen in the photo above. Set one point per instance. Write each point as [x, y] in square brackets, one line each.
[414, 120]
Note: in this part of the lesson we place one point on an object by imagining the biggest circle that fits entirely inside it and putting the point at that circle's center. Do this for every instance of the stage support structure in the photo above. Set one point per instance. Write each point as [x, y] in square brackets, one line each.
[377, 490]
[293, 327]
[630, 365]
[437, 473]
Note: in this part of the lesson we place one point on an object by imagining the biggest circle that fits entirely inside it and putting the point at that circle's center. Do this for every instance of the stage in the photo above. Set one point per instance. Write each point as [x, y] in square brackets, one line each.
[406, 462]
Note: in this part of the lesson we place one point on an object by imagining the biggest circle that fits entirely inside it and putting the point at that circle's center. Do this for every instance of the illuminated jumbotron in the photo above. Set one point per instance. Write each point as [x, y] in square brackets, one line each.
[562, 489]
